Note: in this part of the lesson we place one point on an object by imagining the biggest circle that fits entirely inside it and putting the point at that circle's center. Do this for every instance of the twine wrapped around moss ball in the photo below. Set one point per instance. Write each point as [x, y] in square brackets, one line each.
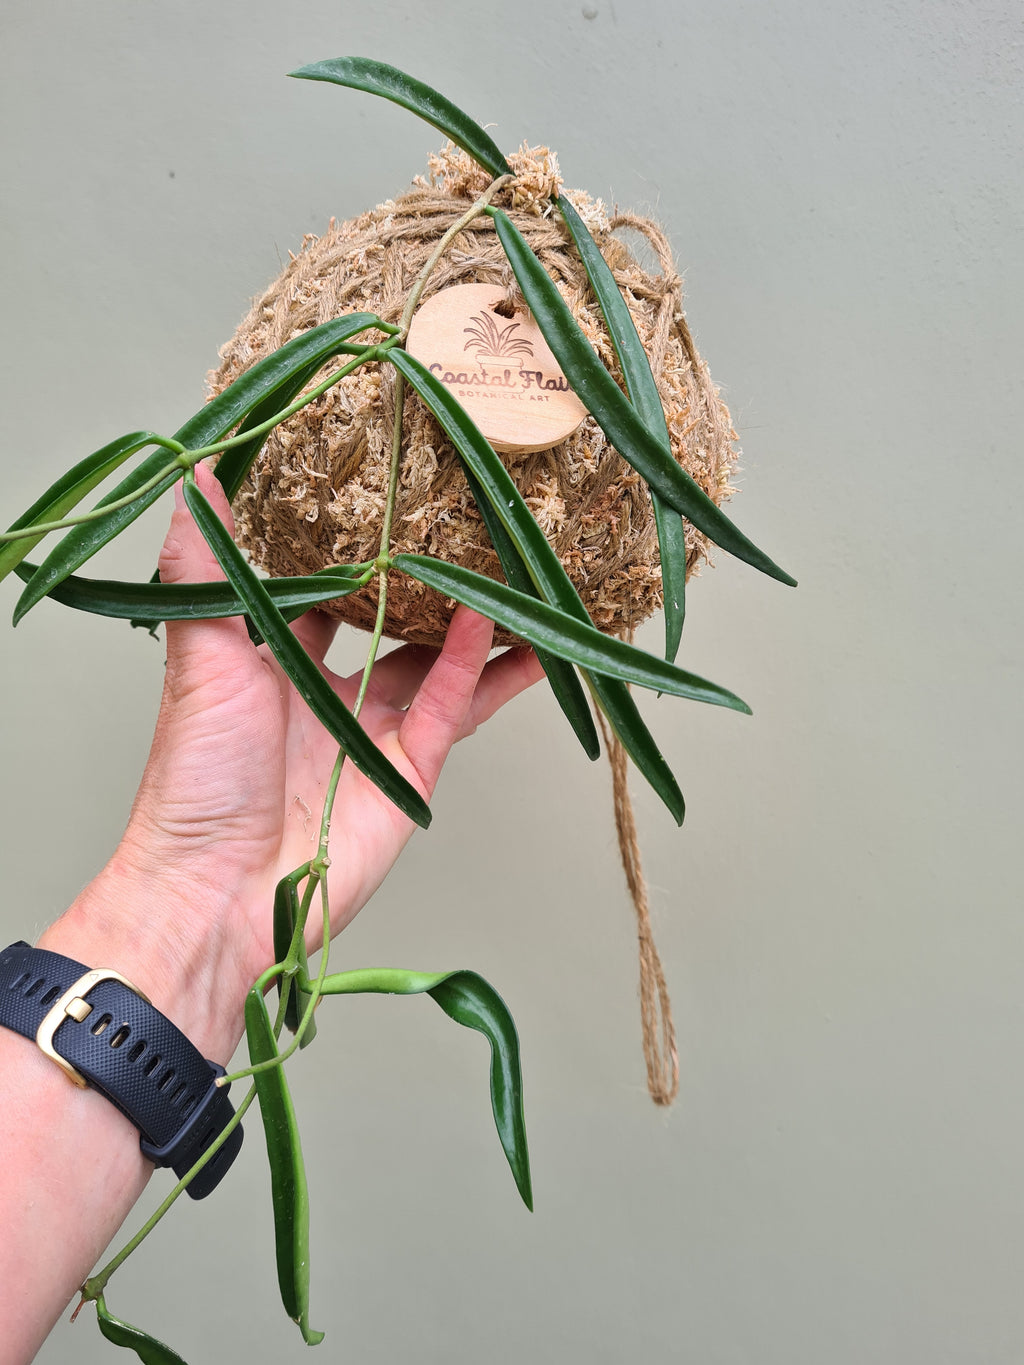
[316, 493]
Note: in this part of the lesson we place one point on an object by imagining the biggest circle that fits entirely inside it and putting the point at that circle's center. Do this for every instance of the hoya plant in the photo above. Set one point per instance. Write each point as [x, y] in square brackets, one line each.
[590, 672]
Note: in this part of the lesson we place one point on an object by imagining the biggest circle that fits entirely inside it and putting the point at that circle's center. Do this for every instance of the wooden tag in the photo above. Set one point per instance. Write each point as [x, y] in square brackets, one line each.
[500, 369]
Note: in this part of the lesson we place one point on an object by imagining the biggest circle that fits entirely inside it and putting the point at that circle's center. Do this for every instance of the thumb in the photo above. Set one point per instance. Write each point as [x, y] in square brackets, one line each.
[185, 556]
[199, 650]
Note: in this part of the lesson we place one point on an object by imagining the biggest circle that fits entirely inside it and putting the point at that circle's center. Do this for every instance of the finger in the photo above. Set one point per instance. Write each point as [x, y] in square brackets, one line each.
[398, 676]
[186, 558]
[438, 711]
[502, 679]
[190, 560]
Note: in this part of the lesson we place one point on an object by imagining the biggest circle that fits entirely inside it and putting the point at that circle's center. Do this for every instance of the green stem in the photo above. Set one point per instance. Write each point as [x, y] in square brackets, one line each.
[319, 865]
[44, 527]
[292, 962]
[314, 996]
[442, 246]
[370, 353]
[95, 1285]
[188, 459]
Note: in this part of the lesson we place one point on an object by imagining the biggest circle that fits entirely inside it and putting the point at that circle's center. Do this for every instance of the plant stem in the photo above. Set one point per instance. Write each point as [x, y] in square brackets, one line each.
[44, 527]
[314, 995]
[442, 246]
[370, 353]
[95, 1285]
[319, 865]
[188, 459]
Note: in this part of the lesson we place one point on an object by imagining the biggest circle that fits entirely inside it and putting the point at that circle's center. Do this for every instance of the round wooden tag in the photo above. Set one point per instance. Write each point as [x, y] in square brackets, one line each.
[500, 369]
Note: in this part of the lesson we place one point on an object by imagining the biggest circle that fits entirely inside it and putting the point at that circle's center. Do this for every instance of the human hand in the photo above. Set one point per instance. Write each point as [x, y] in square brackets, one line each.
[231, 797]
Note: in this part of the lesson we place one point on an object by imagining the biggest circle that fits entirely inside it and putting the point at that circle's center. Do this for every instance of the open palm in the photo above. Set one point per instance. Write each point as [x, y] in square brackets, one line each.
[234, 787]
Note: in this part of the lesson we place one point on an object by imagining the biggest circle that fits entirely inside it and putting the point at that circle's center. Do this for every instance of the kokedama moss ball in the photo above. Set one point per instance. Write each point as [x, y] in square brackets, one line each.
[315, 495]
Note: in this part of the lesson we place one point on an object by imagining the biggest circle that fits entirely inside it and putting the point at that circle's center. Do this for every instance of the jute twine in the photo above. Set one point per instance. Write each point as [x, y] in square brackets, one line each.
[315, 495]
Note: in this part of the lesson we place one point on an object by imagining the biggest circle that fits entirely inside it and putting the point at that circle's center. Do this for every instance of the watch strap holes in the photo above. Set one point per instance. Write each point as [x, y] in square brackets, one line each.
[17, 984]
[50, 996]
[121, 1036]
[151, 1065]
[137, 1052]
[179, 1094]
[39, 981]
[104, 1021]
[166, 1080]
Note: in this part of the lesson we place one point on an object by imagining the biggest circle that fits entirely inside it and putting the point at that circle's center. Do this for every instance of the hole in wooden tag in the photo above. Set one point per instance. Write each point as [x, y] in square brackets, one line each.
[499, 368]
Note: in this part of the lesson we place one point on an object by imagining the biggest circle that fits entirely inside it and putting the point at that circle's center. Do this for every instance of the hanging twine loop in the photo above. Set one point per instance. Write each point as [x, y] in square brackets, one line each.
[658, 1030]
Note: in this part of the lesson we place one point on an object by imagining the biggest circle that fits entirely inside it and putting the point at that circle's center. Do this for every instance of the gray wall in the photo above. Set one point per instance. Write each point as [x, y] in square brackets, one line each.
[839, 1180]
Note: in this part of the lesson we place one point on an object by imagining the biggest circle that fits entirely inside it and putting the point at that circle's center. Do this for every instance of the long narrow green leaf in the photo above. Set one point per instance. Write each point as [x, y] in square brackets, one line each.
[286, 915]
[611, 696]
[147, 1348]
[68, 491]
[210, 424]
[234, 464]
[624, 717]
[377, 78]
[562, 634]
[156, 602]
[543, 566]
[620, 422]
[566, 687]
[643, 394]
[470, 1000]
[287, 1169]
[310, 683]
[672, 553]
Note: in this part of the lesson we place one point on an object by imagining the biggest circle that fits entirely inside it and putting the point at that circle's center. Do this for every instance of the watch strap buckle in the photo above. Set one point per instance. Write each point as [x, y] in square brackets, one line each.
[74, 1005]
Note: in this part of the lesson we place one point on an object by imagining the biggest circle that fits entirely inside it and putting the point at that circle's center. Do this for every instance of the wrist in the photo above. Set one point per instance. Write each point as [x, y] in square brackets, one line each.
[181, 942]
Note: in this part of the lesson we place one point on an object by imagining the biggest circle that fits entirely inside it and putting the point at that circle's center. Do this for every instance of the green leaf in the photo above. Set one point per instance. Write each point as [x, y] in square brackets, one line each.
[625, 719]
[542, 565]
[672, 552]
[566, 687]
[470, 1000]
[643, 393]
[617, 418]
[562, 634]
[155, 602]
[310, 683]
[273, 376]
[69, 490]
[147, 1348]
[286, 916]
[377, 78]
[270, 376]
[611, 696]
[287, 1169]
[234, 464]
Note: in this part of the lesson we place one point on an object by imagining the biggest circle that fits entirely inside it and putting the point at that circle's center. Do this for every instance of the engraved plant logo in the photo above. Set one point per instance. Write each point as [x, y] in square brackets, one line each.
[494, 344]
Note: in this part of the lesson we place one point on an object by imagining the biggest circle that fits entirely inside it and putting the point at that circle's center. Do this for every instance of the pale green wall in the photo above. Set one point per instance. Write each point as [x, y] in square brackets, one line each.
[840, 917]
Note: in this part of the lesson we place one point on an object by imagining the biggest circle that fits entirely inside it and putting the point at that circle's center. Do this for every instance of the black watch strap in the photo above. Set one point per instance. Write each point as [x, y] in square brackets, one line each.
[104, 1033]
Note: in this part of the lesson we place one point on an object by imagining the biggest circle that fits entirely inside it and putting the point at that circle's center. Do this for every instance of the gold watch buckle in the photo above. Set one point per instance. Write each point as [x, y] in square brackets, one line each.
[73, 1005]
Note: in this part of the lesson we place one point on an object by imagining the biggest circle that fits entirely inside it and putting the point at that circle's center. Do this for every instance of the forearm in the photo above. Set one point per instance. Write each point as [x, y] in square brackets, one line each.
[72, 1166]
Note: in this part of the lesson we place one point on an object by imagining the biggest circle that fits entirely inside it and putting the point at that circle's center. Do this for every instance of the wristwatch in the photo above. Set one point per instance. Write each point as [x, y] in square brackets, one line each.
[103, 1032]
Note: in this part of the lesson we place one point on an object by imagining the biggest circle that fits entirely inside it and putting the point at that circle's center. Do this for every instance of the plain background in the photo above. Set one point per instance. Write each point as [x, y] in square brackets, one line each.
[840, 916]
